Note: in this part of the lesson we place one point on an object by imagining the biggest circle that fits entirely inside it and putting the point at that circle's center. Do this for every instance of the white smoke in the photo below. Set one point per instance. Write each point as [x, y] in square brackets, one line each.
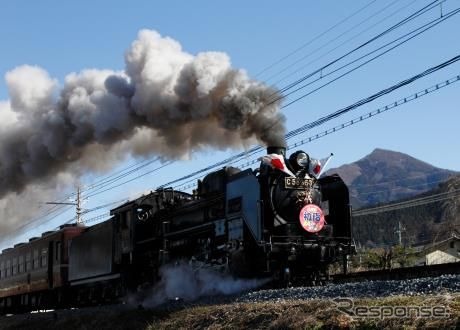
[166, 102]
[181, 281]
[29, 205]
[7, 116]
[31, 91]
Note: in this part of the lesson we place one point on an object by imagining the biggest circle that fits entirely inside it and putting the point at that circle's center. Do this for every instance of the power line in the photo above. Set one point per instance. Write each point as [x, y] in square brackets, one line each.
[64, 208]
[408, 178]
[373, 97]
[313, 39]
[130, 180]
[340, 127]
[97, 208]
[20, 228]
[409, 36]
[343, 111]
[407, 19]
[383, 109]
[333, 40]
[121, 174]
[376, 192]
[104, 184]
[410, 203]
[105, 205]
[97, 218]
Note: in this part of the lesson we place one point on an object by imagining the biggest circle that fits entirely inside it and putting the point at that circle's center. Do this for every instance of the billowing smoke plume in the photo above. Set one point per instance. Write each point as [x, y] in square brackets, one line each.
[165, 102]
[181, 281]
[17, 210]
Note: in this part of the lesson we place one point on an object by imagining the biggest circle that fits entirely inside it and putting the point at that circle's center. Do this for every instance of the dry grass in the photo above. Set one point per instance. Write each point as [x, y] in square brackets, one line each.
[314, 314]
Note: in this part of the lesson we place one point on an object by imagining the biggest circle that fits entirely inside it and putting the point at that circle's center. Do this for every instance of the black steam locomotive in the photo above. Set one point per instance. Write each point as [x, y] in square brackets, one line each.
[279, 220]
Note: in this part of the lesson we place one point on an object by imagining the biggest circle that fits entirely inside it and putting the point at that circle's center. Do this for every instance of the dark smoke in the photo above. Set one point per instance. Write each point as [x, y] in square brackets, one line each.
[166, 102]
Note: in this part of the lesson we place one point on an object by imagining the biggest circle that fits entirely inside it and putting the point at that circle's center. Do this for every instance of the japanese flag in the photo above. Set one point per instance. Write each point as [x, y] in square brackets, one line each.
[276, 161]
[317, 166]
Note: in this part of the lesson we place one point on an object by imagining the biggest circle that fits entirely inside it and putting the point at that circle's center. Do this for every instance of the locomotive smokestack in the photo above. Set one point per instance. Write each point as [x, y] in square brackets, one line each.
[276, 150]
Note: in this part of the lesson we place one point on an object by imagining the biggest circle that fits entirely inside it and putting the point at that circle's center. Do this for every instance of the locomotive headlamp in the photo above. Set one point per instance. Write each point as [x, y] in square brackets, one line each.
[302, 159]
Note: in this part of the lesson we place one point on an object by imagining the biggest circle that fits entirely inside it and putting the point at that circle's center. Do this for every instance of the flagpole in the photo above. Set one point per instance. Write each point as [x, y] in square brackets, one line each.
[325, 165]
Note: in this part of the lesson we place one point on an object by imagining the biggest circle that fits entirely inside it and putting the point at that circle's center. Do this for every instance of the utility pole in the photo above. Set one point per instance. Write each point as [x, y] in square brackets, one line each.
[399, 231]
[78, 207]
[77, 203]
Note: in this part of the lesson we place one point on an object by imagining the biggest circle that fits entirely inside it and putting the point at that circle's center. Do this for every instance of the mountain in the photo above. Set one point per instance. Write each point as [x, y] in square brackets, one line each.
[384, 176]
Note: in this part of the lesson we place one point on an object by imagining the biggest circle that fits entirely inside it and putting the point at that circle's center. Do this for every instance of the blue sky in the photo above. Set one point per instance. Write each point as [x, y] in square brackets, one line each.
[69, 36]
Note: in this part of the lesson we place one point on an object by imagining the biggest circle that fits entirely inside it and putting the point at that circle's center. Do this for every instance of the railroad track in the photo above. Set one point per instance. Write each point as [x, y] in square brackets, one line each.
[399, 273]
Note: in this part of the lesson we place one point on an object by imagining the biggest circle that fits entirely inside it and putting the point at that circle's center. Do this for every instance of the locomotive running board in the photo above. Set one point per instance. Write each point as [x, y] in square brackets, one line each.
[97, 278]
[201, 228]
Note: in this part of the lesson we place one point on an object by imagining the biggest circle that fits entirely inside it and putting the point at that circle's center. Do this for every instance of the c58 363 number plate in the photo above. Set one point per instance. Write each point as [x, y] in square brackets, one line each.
[297, 183]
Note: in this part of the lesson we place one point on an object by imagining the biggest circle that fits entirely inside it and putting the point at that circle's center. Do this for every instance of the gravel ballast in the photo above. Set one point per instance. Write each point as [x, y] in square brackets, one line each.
[370, 289]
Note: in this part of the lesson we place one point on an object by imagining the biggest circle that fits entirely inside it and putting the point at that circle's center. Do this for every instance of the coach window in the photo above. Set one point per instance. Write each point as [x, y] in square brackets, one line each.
[57, 254]
[21, 264]
[15, 266]
[8, 268]
[28, 261]
[2, 269]
[44, 257]
[124, 220]
[35, 260]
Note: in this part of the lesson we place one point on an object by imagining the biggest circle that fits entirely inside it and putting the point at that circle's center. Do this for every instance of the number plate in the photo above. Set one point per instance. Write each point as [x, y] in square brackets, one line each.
[297, 183]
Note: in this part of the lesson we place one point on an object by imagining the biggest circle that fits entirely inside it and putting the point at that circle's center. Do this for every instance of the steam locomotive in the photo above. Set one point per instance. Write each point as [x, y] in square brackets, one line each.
[280, 220]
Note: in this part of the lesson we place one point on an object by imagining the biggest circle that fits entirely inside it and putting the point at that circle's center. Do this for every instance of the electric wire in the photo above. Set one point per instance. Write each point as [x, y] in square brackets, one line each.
[409, 36]
[323, 55]
[120, 174]
[407, 19]
[95, 188]
[410, 186]
[314, 39]
[130, 180]
[97, 208]
[343, 111]
[61, 209]
[373, 97]
[410, 203]
[371, 114]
